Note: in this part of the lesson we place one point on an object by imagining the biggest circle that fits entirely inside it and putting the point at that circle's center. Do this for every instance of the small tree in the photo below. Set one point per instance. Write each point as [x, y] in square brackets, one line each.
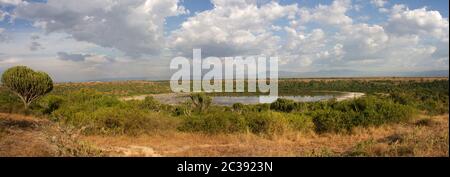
[238, 107]
[200, 101]
[29, 85]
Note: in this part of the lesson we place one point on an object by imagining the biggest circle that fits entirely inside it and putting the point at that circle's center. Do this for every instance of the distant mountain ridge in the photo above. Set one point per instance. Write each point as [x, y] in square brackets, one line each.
[322, 73]
[355, 73]
[325, 73]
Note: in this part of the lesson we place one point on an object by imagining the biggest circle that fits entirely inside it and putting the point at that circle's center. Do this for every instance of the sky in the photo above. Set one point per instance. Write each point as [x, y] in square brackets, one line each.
[78, 40]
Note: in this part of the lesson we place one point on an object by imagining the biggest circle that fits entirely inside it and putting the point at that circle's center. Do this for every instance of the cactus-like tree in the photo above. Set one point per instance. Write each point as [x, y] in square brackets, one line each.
[29, 85]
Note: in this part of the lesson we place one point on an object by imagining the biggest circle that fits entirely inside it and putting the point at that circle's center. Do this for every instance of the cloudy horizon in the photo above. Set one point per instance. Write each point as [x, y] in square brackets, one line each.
[75, 40]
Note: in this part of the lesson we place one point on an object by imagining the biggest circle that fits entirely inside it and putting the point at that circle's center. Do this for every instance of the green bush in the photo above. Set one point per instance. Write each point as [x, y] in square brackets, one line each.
[200, 101]
[261, 107]
[283, 105]
[238, 107]
[50, 103]
[333, 121]
[367, 111]
[130, 122]
[213, 123]
[269, 123]
[435, 105]
[181, 111]
[10, 103]
[150, 103]
[116, 121]
[299, 122]
[402, 97]
[102, 114]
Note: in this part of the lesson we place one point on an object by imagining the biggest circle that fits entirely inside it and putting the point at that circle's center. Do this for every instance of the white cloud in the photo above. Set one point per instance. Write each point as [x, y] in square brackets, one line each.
[364, 46]
[3, 36]
[18, 44]
[334, 14]
[403, 21]
[88, 58]
[298, 41]
[379, 3]
[91, 37]
[10, 2]
[8, 61]
[92, 69]
[363, 38]
[232, 28]
[364, 18]
[134, 27]
[2, 15]
[35, 46]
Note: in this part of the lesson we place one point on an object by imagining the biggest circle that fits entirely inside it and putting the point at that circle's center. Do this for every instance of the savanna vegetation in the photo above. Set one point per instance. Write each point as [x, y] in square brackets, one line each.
[96, 109]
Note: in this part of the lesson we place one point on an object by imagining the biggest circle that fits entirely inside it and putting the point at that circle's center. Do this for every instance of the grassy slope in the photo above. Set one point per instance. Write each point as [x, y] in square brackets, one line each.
[28, 136]
[415, 138]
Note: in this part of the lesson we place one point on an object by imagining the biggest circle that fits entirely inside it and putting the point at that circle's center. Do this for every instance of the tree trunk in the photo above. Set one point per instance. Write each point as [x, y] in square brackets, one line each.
[24, 101]
[27, 105]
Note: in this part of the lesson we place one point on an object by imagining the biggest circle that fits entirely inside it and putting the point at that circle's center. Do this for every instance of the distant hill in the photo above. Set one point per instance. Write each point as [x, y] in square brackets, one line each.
[322, 73]
[355, 73]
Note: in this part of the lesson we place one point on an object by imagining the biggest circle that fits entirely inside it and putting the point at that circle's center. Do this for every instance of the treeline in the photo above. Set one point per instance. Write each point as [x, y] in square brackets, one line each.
[124, 88]
[383, 86]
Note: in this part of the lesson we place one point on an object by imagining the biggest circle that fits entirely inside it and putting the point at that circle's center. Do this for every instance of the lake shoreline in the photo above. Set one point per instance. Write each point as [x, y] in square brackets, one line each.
[178, 98]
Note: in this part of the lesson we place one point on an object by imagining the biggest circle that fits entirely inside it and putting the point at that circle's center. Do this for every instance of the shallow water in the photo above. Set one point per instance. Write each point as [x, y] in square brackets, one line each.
[230, 100]
[174, 98]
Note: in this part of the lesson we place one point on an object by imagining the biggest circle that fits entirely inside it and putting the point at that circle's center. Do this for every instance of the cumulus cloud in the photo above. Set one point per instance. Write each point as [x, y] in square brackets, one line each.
[105, 35]
[89, 58]
[403, 21]
[134, 27]
[34, 37]
[386, 46]
[10, 2]
[232, 28]
[8, 61]
[364, 38]
[35, 46]
[3, 36]
[2, 15]
[379, 3]
[298, 40]
[334, 14]
[72, 57]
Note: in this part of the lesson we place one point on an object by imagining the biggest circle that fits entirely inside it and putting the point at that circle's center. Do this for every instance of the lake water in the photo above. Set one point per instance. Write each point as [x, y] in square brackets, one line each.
[230, 100]
[174, 99]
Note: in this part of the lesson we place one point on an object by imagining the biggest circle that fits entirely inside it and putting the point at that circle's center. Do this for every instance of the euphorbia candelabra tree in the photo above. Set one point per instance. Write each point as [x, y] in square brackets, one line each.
[29, 85]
